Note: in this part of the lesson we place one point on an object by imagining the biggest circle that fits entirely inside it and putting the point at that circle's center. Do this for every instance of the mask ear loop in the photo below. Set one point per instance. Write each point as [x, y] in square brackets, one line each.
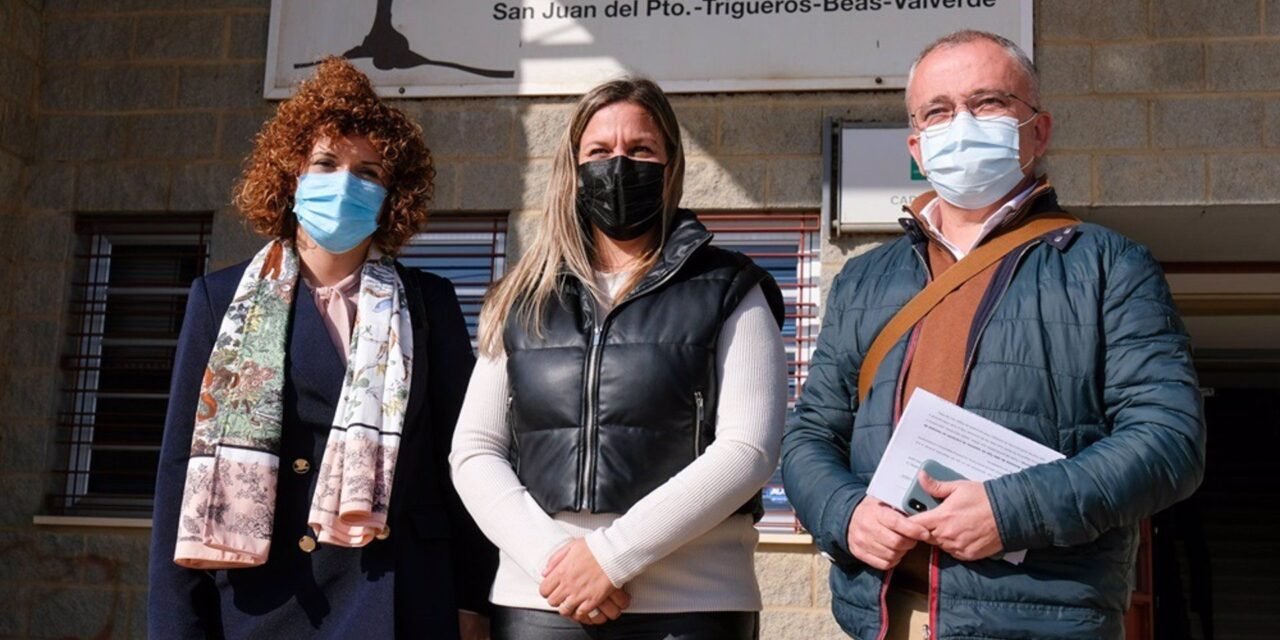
[1033, 156]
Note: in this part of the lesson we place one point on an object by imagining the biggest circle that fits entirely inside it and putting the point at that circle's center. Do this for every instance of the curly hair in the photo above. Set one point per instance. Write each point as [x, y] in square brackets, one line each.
[338, 102]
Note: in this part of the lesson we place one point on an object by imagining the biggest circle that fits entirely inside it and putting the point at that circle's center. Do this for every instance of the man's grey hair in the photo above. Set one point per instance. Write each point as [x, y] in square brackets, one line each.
[966, 36]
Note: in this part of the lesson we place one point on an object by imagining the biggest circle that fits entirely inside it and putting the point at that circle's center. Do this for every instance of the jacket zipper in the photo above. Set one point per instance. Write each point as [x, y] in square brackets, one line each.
[934, 569]
[968, 364]
[933, 555]
[884, 606]
[934, 578]
[912, 336]
[586, 495]
[884, 587]
[697, 424]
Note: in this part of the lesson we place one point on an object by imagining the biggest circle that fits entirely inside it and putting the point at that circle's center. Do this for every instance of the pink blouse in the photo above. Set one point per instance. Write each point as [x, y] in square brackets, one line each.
[337, 305]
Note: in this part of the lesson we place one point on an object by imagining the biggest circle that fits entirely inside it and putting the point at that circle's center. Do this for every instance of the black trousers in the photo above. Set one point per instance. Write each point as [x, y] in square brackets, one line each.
[528, 624]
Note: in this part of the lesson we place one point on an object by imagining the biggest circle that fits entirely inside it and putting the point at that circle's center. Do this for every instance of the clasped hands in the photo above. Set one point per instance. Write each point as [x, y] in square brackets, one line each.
[574, 583]
[963, 526]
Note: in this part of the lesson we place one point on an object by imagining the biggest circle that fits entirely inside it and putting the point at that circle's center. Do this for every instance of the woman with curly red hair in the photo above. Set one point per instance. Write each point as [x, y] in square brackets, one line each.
[303, 486]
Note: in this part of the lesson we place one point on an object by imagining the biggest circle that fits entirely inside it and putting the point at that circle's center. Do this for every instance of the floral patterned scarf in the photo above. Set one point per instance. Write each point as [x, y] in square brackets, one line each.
[228, 502]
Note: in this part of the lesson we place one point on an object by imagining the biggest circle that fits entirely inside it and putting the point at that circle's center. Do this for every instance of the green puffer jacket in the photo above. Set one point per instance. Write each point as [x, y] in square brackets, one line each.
[1083, 352]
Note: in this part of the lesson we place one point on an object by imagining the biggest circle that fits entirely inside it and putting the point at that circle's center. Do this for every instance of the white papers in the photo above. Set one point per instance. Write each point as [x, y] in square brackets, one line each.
[933, 429]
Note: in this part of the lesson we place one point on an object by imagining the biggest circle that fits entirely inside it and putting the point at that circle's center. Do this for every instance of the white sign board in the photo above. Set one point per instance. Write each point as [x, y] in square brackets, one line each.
[418, 48]
[876, 177]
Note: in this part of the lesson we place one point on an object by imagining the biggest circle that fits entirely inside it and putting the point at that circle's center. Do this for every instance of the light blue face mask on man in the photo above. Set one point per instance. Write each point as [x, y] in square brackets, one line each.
[338, 210]
[972, 163]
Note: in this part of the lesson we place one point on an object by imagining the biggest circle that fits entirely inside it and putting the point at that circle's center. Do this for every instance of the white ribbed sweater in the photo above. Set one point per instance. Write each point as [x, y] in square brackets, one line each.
[680, 548]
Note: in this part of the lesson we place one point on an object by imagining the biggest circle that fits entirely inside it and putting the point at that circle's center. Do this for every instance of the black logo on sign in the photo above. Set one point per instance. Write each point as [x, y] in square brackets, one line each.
[389, 49]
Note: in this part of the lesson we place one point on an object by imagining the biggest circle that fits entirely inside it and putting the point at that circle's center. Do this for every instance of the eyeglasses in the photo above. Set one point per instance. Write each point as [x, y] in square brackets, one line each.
[984, 105]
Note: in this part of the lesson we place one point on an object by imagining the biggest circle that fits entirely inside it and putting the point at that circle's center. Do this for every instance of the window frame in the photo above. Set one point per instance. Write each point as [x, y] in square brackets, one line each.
[97, 238]
[803, 297]
[803, 230]
[479, 230]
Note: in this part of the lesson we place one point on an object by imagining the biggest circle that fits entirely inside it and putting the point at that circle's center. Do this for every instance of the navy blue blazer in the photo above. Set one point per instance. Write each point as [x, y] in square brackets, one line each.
[412, 584]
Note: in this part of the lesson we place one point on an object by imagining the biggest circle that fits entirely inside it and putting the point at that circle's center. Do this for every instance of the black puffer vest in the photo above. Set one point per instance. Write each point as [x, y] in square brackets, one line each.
[606, 409]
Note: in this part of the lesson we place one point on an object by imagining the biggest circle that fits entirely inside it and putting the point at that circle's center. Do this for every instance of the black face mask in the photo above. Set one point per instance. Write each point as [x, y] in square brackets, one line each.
[620, 196]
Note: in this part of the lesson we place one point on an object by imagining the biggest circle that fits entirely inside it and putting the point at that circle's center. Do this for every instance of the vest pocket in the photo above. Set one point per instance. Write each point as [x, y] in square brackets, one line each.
[514, 453]
[697, 423]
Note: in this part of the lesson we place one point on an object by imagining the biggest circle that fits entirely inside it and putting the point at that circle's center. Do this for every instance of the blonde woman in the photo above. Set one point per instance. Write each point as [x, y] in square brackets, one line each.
[629, 399]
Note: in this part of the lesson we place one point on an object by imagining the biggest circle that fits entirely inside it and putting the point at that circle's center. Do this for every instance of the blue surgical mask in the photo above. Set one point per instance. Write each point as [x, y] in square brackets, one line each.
[338, 210]
[972, 163]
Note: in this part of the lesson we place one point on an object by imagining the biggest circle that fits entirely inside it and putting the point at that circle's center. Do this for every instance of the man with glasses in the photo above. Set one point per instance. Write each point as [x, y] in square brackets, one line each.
[1069, 337]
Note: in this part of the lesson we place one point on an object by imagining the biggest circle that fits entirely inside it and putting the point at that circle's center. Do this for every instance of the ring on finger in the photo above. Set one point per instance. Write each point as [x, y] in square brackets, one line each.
[593, 614]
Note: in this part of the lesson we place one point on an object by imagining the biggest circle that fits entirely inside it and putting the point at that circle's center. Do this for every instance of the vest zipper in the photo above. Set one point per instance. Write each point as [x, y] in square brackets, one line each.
[588, 434]
[697, 424]
[586, 501]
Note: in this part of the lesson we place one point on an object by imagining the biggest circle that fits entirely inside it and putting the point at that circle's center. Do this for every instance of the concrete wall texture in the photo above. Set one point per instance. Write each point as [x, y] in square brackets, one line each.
[148, 106]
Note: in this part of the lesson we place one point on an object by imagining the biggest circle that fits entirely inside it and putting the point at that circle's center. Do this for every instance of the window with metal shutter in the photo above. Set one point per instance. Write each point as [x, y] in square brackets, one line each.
[133, 274]
[788, 245]
[469, 250]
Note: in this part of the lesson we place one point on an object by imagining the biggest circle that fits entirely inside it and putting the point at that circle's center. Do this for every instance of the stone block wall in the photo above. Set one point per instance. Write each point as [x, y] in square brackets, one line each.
[105, 107]
[19, 55]
[1162, 102]
[148, 106]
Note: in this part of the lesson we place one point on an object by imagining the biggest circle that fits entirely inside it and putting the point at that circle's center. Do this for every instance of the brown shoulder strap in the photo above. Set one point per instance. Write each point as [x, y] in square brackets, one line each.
[951, 279]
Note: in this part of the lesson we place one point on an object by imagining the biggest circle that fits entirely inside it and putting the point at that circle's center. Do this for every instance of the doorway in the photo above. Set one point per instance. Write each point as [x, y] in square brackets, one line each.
[1216, 569]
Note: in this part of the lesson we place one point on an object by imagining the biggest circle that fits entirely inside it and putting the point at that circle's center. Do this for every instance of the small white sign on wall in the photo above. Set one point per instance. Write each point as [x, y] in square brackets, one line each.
[419, 48]
[873, 175]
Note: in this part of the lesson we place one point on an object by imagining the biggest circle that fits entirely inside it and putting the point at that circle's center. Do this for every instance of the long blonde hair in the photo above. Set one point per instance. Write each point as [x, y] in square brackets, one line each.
[563, 244]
